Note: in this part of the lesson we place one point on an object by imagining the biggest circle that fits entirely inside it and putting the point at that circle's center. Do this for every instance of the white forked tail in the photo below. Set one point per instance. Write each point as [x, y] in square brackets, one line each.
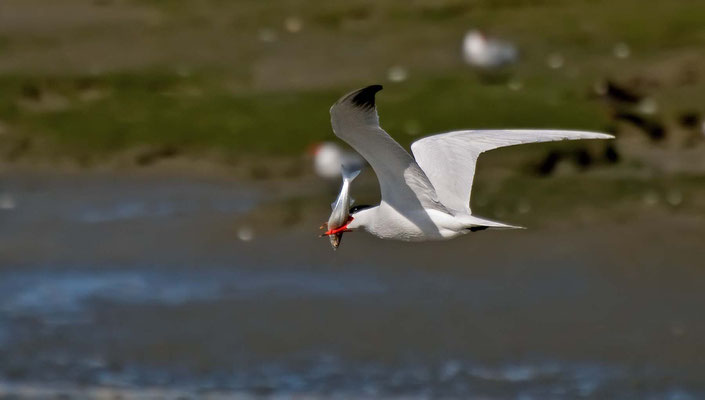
[350, 172]
[474, 221]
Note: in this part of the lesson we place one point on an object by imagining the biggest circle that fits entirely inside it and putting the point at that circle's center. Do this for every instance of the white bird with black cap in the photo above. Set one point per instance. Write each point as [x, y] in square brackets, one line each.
[425, 197]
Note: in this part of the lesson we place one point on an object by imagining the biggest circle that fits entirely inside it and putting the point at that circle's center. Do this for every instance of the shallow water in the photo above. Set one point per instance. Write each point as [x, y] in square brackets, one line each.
[96, 198]
[350, 332]
[166, 306]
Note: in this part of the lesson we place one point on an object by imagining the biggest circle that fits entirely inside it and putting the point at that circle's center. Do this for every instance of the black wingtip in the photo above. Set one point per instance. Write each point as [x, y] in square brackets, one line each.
[365, 98]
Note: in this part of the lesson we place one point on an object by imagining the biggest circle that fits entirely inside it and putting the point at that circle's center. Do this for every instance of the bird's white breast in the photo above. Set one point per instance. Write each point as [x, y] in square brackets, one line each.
[416, 225]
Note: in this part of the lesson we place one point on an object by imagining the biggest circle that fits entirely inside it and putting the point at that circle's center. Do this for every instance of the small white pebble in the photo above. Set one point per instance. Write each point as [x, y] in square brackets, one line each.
[600, 88]
[267, 35]
[621, 50]
[245, 234]
[674, 198]
[95, 70]
[648, 106]
[7, 202]
[500, 212]
[293, 24]
[450, 370]
[397, 74]
[555, 61]
[677, 329]
[573, 73]
[412, 127]
[523, 207]
[183, 71]
[650, 199]
[515, 85]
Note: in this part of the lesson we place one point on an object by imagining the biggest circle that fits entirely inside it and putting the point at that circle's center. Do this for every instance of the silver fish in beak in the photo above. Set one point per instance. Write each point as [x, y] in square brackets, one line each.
[340, 214]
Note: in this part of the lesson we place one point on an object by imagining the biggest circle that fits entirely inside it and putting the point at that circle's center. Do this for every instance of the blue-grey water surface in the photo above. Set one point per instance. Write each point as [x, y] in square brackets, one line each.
[147, 289]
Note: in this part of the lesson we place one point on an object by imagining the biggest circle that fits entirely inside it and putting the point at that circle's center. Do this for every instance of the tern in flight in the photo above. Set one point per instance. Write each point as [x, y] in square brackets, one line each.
[427, 196]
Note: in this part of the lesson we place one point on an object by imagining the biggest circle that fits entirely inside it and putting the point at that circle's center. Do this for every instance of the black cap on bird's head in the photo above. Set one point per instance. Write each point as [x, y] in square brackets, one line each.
[355, 209]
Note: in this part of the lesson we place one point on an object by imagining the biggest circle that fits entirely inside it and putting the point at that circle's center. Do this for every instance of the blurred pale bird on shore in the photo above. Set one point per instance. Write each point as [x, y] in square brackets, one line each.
[328, 158]
[487, 53]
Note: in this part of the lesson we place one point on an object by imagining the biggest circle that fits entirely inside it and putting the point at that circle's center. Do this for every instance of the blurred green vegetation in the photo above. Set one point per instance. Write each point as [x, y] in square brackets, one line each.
[113, 112]
[90, 79]
[533, 201]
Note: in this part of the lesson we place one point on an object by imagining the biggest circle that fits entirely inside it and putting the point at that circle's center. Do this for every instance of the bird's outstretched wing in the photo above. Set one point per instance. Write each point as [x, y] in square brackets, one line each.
[402, 182]
[449, 159]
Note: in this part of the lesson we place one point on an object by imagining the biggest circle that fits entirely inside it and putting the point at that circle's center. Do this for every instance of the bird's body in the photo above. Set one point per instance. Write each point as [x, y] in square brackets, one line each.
[386, 222]
[418, 224]
[425, 197]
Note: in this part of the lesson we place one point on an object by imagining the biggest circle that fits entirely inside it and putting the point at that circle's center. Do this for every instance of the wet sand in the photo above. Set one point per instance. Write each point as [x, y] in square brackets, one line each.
[144, 287]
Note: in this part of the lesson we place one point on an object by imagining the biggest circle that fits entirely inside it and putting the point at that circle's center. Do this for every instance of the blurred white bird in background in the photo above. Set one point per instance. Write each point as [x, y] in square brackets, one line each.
[328, 157]
[487, 53]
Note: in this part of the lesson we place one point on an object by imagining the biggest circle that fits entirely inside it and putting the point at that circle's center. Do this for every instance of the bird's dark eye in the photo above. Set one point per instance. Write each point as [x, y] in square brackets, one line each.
[355, 209]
